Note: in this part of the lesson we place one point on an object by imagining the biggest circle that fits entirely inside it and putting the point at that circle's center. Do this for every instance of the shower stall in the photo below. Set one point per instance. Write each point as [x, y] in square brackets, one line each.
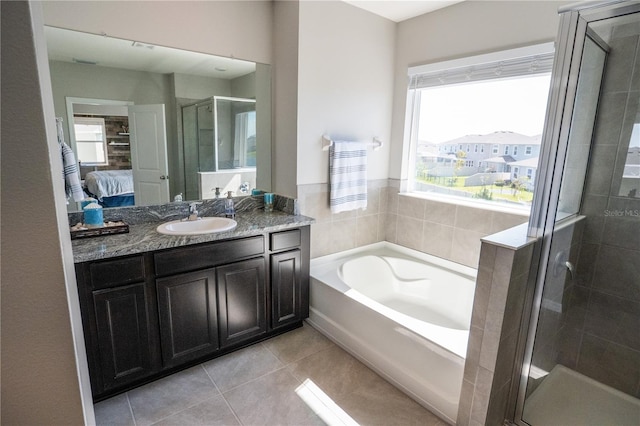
[218, 135]
[581, 346]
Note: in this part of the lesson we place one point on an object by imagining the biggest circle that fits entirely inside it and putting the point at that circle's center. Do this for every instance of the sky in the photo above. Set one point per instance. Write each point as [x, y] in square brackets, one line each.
[517, 105]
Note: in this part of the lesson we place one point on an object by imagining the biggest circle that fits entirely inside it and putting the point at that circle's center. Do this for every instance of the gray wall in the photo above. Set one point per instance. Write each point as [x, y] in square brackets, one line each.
[41, 363]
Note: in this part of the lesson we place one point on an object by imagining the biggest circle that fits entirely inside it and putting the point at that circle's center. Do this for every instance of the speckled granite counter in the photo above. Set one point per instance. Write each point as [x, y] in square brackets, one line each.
[143, 237]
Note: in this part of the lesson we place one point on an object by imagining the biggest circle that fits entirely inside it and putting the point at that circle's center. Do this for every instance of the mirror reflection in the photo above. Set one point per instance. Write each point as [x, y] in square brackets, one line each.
[176, 122]
[630, 157]
[220, 142]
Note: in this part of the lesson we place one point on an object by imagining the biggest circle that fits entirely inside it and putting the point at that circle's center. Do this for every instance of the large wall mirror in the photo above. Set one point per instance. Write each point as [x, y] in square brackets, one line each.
[158, 120]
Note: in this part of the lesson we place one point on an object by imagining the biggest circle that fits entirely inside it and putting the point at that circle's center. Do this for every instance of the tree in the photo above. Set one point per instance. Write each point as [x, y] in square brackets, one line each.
[459, 164]
[518, 185]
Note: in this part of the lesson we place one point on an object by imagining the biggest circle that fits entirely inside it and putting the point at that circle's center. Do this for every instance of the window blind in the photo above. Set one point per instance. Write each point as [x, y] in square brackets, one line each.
[480, 68]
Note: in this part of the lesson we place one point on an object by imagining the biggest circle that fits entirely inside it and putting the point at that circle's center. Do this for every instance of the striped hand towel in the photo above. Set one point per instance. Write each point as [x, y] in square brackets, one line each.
[71, 174]
[347, 176]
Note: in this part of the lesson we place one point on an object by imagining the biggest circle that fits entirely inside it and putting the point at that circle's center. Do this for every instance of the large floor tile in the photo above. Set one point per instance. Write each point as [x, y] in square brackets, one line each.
[297, 344]
[271, 400]
[212, 412]
[114, 411]
[361, 393]
[165, 397]
[241, 366]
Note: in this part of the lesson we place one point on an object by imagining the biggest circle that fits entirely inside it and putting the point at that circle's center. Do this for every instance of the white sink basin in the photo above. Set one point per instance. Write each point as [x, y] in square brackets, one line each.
[204, 225]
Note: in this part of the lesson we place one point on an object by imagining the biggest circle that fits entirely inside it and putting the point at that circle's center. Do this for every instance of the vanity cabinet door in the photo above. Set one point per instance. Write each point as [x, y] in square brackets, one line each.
[188, 316]
[242, 301]
[286, 295]
[122, 326]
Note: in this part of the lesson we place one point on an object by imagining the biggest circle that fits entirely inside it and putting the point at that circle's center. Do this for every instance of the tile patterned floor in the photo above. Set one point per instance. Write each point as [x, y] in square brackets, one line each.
[298, 378]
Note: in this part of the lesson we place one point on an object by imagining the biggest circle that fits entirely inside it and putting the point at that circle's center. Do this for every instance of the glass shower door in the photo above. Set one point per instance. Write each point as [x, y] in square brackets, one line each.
[582, 356]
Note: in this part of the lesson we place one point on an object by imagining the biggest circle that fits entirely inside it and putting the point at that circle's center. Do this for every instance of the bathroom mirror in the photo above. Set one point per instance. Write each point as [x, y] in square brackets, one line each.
[110, 70]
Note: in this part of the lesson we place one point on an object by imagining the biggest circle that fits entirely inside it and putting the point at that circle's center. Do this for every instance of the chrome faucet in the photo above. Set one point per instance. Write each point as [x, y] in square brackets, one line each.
[193, 211]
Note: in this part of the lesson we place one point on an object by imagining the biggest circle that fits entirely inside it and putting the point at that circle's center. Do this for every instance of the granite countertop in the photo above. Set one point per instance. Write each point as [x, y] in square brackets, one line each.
[143, 237]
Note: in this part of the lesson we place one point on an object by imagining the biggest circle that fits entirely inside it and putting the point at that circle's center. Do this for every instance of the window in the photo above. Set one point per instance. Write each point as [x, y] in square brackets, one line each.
[497, 100]
[516, 170]
[528, 150]
[91, 140]
[529, 173]
[515, 150]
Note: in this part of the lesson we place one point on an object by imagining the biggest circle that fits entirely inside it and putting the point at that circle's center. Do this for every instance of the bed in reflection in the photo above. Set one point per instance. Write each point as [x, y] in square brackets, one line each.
[112, 188]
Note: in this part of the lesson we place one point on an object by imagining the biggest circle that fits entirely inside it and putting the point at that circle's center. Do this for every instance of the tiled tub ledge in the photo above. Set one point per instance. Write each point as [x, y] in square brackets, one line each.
[503, 272]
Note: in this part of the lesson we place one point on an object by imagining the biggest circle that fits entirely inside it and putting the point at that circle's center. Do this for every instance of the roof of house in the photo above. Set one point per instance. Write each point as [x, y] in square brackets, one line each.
[501, 159]
[529, 162]
[500, 138]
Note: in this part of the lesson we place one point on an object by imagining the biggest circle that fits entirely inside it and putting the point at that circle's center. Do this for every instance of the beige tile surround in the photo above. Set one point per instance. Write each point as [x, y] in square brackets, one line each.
[447, 230]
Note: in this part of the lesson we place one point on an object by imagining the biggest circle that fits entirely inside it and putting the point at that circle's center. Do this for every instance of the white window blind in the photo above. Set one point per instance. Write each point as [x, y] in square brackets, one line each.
[510, 63]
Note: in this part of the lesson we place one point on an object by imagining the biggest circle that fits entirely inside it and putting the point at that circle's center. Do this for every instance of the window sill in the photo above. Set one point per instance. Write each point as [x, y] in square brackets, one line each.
[520, 211]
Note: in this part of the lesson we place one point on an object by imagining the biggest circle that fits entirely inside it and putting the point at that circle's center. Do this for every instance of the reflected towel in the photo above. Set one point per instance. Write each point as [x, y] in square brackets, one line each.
[70, 173]
[347, 176]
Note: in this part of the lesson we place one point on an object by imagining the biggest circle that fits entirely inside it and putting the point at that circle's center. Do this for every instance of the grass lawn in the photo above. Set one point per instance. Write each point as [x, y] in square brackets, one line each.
[497, 193]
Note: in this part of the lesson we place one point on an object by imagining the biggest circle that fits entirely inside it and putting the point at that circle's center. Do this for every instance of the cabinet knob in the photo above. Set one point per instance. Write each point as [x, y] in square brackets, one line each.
[163, 177]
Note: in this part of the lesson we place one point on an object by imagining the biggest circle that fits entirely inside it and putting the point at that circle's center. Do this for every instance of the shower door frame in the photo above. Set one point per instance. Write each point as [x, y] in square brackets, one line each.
[572, 33]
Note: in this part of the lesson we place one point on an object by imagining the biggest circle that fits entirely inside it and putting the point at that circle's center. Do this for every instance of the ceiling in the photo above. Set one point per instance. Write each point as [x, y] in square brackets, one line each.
[91, 49]
[74, 46]
[400, 10]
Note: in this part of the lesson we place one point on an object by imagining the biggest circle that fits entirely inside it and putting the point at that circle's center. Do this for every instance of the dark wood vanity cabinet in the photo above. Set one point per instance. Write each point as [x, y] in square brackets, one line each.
[187, 308]
[289, 277]
[242, 300]
[148, 315]
[117, 300]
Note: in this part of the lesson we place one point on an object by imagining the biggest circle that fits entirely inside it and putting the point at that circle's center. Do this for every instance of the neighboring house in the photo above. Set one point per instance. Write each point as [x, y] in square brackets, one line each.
[495, 156]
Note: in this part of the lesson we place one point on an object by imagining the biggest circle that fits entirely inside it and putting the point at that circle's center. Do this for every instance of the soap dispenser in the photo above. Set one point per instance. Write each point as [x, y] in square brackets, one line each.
[229, 209]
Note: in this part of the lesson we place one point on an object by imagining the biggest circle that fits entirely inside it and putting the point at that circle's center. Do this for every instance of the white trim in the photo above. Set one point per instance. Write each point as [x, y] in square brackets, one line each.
[521, 52]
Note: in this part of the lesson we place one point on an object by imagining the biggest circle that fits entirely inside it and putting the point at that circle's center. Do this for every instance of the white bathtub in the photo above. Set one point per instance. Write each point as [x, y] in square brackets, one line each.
[403, 313]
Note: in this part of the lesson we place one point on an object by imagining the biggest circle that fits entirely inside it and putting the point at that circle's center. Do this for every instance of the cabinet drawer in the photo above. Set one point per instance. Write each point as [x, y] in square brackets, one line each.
[208, 255]
[111, 273]
[285, 240]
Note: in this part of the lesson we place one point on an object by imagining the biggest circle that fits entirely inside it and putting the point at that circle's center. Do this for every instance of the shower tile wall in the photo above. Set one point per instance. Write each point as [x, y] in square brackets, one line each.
[442, 229]
[557, 338]
[601, 316]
